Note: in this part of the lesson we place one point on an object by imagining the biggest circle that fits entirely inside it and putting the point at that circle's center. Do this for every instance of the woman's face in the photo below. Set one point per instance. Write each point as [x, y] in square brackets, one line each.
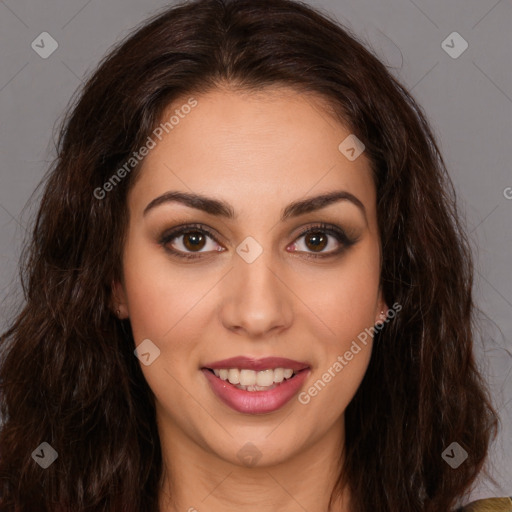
[254, 286]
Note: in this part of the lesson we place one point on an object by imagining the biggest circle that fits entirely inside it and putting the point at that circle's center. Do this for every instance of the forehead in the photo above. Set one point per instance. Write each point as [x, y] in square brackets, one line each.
[275, 143]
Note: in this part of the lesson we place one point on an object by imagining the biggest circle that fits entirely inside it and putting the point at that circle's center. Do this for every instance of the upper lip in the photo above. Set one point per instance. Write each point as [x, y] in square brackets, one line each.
[250, 363]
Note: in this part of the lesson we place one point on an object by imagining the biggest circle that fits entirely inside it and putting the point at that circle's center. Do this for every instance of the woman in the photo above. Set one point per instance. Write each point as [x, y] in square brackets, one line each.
[247, 285]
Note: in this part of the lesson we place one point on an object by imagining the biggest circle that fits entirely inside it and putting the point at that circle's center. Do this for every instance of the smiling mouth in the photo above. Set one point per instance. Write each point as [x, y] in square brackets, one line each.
[251, 380]
[263, 390]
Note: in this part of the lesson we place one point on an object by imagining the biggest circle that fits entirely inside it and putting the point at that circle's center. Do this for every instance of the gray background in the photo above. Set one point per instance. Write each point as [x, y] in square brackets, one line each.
[468, 101]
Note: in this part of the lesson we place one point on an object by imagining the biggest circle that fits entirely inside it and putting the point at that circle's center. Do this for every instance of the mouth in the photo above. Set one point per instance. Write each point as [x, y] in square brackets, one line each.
[266, 386]
[251, 380]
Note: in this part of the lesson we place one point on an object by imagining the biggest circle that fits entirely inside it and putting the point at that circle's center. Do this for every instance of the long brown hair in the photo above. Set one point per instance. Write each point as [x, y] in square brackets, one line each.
[68, 374]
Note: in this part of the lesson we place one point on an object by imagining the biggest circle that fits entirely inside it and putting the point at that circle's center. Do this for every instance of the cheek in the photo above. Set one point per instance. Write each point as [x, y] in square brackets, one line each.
[152, 301]
[347, 306]
[160, 303]
[159, 293]
[346, 298]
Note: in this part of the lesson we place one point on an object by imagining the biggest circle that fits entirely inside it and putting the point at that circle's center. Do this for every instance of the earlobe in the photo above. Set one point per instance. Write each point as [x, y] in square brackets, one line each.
[118, 304]
[382, 313]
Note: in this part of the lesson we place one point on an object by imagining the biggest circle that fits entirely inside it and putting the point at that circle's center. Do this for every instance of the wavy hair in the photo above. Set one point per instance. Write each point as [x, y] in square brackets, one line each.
[68, 375]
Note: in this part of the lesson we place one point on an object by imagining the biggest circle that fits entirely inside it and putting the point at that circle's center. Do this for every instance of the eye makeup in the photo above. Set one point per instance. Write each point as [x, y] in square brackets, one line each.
[201, 232]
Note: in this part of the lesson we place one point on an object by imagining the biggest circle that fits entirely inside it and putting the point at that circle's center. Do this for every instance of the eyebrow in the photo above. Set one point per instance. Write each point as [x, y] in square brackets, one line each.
[223, 209]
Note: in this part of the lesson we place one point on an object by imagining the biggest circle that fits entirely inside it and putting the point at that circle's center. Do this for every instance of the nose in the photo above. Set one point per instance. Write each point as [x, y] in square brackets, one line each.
[256, 300]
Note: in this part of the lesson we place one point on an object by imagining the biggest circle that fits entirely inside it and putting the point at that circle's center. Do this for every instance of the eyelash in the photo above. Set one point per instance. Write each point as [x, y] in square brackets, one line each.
[336, 232]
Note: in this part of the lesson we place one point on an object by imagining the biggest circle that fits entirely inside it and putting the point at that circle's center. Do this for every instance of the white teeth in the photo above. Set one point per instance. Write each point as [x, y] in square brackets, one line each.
[247, 377]
[254, 379]
[234, 376]
[288, 373]
[255, 388]
[278, 375]
[265, 378]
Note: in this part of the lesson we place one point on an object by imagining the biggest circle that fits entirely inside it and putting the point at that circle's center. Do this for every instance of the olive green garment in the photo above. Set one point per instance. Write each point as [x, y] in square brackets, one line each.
[489, 505]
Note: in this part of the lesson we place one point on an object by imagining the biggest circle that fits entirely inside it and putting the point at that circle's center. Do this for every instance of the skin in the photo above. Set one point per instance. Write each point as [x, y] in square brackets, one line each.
[259, 152]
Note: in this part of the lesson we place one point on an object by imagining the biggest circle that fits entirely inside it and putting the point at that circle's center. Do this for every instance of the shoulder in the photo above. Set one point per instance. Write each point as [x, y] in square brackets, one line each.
[489, 505]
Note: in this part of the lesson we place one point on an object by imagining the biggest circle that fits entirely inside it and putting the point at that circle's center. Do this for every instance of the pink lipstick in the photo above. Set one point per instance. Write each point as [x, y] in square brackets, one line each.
[256, 386]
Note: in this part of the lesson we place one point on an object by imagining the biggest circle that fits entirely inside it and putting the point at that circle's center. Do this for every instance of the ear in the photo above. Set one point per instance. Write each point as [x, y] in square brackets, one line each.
[119, 304]
[381, 310]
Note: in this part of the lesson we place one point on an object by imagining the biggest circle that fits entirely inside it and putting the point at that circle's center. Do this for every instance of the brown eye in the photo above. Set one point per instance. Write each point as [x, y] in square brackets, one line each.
[189, 241]
[316, 240]
[194, 240]
[313, 241]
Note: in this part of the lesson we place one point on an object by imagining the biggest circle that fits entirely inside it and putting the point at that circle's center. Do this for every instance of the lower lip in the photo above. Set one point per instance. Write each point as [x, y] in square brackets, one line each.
[256, 402]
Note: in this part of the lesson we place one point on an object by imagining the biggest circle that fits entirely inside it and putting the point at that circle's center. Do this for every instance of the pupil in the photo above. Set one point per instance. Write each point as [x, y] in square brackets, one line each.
[193, 240]
[318, 240]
